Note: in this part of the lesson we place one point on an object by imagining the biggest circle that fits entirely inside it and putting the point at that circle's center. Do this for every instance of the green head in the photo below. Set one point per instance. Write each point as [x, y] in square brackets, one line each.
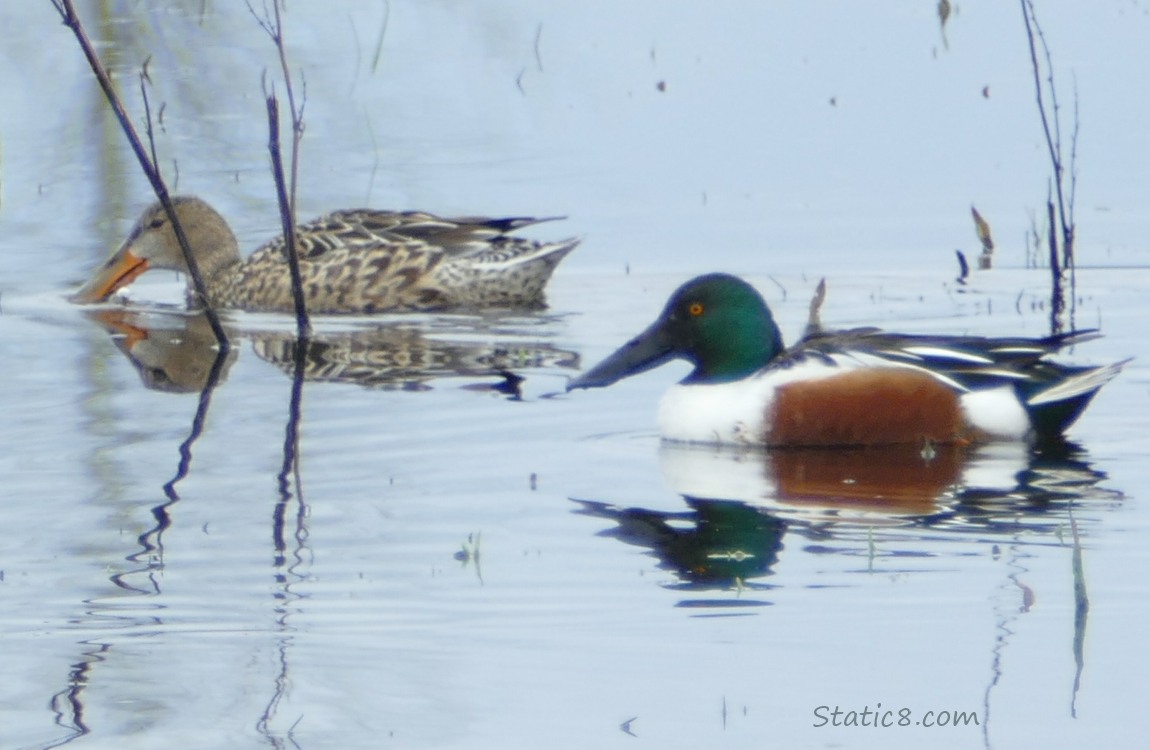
[717, 322]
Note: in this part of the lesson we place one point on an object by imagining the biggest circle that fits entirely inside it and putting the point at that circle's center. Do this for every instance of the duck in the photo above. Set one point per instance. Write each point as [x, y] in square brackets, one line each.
[351, 261]
[857, 387]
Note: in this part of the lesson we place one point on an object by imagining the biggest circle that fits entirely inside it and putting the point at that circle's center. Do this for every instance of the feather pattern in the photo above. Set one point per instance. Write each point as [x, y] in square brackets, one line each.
[351, 261]
[857, 386]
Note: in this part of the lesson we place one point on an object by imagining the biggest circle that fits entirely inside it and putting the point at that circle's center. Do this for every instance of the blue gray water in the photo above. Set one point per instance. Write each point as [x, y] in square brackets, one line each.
[458, 566]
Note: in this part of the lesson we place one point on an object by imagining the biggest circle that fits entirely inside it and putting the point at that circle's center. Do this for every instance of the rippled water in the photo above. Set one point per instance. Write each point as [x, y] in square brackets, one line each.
[468, 556]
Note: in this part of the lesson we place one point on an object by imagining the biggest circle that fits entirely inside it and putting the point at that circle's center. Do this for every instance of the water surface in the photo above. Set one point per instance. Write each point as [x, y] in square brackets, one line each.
[466, 559]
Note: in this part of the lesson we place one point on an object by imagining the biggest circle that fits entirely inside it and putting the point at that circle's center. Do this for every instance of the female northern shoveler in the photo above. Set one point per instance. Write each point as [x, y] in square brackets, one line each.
[358, 261]
[845, 388]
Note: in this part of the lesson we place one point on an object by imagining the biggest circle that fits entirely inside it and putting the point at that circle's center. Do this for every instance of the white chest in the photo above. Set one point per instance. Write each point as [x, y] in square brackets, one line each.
[729, 413]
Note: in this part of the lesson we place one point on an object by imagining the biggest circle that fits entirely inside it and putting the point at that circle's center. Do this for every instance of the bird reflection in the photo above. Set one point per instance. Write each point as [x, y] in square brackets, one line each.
[715, 544]
[405, 358]
[174, 352]
[742, 504]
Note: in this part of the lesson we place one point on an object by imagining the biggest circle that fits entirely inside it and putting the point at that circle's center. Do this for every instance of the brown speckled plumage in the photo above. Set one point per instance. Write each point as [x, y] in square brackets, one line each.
[357, 261]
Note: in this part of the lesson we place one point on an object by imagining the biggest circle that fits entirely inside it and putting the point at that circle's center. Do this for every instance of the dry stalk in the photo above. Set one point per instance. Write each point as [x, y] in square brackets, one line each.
[151, 170]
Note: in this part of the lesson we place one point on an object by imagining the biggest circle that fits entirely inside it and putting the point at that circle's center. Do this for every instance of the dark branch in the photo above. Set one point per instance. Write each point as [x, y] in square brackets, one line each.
[1061, 220]
[151, 133]
[72, 21]
[290, 247]
[272, 24]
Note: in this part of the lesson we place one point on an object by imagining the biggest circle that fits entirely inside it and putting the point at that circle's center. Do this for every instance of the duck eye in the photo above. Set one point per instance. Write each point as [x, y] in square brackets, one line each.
[695, 309]
[156, 223]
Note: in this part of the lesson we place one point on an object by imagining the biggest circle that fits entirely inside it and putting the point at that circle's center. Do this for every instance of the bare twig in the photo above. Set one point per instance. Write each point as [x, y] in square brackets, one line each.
[538, 55]
[296, 112]
[286, 193]
[375, 161]
[1057, 298]
[290, 247]
[145, 81]
[273, 26]
[1060, 207]
[1053, 138]
[382, 33]
[151, 170]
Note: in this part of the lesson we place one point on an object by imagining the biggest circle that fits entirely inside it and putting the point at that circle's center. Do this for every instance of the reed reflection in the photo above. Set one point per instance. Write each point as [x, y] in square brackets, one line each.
[177, 352]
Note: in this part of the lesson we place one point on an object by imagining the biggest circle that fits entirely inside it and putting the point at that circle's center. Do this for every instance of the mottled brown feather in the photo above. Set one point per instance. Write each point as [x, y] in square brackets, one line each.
[350, 261]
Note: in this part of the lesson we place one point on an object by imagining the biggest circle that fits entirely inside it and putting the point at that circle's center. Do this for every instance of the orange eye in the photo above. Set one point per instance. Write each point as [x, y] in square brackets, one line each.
[696, 309]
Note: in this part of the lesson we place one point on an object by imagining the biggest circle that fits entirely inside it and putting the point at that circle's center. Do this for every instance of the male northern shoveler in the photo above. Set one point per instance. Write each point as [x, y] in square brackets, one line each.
[358, 261]
[855, 387]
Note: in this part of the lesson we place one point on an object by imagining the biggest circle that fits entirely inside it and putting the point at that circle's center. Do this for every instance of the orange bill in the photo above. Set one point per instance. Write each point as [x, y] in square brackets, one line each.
[117, 272]
[119, 323]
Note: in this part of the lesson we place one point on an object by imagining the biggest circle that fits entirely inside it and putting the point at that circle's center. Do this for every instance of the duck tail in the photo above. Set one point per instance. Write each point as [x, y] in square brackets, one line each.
[517, 222]
[1070, 338]
[543, 255]
[1054, 409]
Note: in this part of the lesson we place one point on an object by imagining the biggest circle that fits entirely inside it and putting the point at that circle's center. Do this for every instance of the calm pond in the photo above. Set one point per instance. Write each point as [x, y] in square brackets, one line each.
[468, 556]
